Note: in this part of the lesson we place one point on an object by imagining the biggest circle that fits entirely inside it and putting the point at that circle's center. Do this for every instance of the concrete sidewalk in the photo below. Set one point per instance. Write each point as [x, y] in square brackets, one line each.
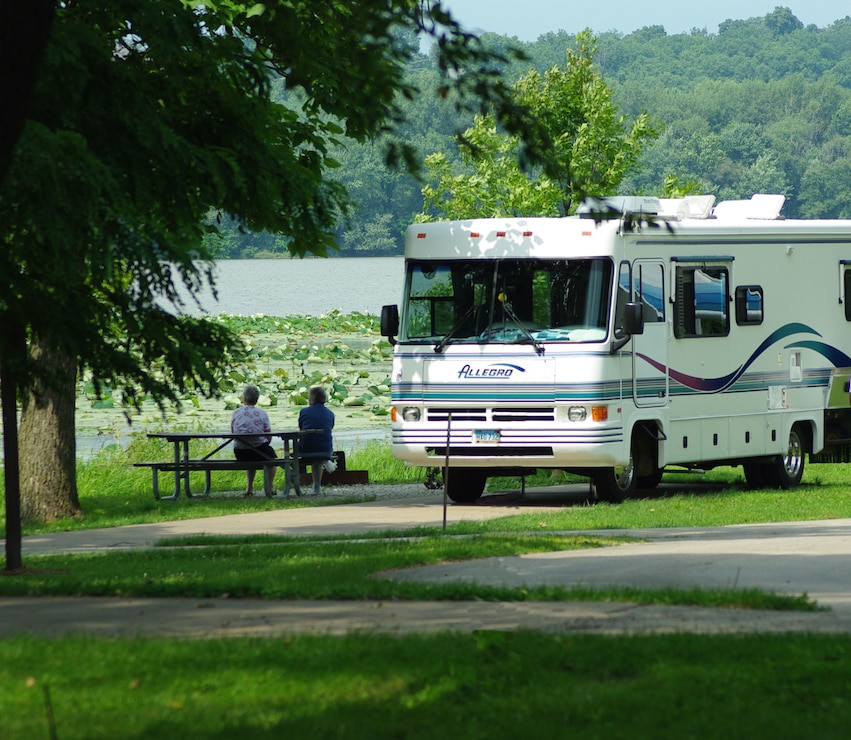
[810, 558]
[375, 516]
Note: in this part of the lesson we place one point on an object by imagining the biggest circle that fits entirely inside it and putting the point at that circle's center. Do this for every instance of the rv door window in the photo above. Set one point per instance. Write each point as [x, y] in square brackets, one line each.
[650, 292]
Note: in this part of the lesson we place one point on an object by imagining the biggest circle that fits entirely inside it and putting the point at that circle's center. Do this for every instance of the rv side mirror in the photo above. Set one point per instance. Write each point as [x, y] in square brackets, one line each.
[633, 319]
[390, 322]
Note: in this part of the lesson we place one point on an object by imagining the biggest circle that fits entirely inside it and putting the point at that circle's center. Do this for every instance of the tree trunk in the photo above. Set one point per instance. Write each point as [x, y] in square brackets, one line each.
[48, 444]
[12, 488]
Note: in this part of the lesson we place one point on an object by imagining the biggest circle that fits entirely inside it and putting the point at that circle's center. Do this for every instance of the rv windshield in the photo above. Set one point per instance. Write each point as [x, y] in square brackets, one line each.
[512, 300]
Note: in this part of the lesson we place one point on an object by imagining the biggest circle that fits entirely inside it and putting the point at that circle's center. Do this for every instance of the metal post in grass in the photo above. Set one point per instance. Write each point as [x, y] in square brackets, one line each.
[446, 468]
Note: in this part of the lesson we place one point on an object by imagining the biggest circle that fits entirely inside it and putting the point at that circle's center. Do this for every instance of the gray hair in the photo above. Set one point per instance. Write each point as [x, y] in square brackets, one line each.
[317, 394]
[251, 394]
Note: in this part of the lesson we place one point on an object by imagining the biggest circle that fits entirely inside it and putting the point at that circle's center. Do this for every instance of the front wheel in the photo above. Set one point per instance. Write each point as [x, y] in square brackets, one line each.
[650, 481]
[616, 484]
[465, 485]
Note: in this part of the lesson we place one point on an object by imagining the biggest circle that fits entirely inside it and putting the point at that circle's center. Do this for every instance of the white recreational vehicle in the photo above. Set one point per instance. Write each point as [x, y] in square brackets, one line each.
[640, 335]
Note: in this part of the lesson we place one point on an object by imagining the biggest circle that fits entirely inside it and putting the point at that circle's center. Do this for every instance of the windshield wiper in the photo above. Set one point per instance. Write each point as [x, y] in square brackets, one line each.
[503, 299]
[441, 345]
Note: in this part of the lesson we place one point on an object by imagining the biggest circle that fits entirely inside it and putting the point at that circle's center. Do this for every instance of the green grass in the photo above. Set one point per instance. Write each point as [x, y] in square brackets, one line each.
[113, 493]
[310, 568]
[488, 684]
[715, 506]
[377, 458]
[483, 685]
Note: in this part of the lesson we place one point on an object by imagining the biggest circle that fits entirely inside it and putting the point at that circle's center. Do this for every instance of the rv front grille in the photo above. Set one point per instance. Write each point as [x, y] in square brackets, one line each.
[501, 414]
[523, 414]
[435, 414]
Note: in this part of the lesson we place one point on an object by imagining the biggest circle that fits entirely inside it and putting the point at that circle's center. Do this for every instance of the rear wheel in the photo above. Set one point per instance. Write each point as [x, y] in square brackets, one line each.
[786, 471]
[465, 485]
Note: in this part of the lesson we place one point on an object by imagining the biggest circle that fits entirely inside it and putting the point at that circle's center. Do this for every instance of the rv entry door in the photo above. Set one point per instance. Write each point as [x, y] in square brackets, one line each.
[650, 349]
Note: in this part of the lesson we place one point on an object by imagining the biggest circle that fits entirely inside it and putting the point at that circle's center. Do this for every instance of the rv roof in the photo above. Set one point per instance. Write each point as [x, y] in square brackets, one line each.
[759, 206]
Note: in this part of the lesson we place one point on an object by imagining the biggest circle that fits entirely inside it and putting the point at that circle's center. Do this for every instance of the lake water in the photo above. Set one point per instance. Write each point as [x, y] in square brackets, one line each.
[300, 286]
[281, 287]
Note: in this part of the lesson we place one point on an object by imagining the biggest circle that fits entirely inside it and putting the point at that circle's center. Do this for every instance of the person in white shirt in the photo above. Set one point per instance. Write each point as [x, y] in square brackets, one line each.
[248, 419]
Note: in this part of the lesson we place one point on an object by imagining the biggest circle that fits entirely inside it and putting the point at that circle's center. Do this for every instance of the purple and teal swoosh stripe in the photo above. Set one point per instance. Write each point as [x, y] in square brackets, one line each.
[714, 385]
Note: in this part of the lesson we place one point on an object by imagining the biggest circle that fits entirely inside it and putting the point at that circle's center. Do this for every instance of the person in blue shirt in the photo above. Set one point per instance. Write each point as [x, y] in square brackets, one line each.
[317, 416]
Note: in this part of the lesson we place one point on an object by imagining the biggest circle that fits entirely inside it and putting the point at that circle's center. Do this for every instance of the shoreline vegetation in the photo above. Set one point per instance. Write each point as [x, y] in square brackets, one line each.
[286, 355]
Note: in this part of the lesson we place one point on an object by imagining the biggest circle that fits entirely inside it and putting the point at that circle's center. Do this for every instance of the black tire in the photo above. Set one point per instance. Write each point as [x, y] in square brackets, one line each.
[648, 482]
[616, 484]
[465, 485]
[645, 454]
[787, 470]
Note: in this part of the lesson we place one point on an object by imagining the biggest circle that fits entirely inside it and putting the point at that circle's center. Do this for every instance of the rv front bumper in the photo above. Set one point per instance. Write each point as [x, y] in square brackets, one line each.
[543, 447]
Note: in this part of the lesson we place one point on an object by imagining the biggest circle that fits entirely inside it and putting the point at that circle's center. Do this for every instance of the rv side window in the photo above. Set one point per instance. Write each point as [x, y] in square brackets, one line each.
[702, 307]
[432, 306]
[749, 305]
[846, 298]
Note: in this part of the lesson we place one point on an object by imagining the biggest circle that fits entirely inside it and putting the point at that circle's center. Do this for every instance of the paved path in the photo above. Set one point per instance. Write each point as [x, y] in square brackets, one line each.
[795, 558]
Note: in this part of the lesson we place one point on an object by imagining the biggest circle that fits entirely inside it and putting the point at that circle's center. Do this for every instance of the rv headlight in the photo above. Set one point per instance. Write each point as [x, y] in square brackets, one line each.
[577, 413]
[411, 413]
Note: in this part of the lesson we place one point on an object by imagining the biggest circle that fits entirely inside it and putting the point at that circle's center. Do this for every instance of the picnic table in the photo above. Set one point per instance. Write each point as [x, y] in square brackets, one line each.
[182, 464]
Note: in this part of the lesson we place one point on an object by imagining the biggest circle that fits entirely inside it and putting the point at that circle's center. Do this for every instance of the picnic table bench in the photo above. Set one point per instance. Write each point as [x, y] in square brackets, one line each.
[182, 464]
[341, 476]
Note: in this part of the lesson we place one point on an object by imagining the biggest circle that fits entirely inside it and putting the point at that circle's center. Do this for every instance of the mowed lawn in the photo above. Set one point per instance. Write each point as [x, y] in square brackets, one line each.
[484, 684]
[481, 685]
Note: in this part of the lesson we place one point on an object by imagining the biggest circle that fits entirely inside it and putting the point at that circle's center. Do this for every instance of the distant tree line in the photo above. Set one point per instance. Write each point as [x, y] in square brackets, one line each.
[764, 105]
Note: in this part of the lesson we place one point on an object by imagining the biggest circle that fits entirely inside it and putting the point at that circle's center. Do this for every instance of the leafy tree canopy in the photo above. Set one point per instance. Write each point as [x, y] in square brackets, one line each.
[147, 116]
[589, 146]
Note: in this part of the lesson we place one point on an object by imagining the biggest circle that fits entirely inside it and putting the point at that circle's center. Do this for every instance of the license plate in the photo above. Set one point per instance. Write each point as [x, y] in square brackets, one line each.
[485, 437]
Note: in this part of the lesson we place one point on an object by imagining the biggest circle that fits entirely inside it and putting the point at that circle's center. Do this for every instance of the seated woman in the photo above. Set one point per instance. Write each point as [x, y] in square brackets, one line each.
[317, 416]
[248, 419]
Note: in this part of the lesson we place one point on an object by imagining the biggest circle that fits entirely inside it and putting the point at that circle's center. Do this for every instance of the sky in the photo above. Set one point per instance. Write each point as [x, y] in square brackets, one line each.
[529, 19]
